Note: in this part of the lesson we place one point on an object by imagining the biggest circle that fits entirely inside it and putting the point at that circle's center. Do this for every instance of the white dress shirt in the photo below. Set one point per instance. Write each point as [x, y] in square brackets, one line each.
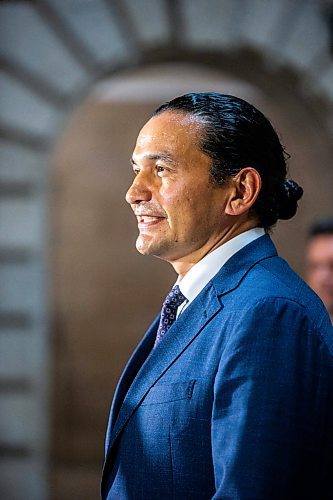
[198, 276]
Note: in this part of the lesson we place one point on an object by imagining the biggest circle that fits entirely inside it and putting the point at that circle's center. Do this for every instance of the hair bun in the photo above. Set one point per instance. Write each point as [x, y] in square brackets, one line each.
[291, 192]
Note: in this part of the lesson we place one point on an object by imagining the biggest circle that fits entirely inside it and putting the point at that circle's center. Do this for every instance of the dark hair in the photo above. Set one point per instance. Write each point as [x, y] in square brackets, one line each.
[321, 227]
[237, 135]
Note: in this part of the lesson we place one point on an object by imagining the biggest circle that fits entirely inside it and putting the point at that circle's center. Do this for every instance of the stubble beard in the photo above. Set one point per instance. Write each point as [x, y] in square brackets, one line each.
[148, 245]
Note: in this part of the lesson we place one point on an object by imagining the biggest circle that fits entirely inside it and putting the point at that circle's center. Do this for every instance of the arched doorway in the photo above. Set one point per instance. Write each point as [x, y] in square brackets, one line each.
[105, 293]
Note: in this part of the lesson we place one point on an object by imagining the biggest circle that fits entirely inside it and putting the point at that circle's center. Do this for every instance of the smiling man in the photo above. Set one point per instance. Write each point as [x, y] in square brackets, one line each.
[229, 394]
[184, 219]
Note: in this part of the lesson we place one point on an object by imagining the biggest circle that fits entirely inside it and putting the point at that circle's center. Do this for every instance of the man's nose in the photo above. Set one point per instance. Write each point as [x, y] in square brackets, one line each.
[139, 190]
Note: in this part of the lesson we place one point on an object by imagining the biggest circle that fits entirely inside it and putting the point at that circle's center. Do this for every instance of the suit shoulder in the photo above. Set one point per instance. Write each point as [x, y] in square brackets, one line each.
[274, 277]
[272, 287]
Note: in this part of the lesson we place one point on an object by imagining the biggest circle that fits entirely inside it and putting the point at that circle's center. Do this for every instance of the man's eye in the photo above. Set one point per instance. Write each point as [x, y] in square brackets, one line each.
[136, 171]
[160, 168]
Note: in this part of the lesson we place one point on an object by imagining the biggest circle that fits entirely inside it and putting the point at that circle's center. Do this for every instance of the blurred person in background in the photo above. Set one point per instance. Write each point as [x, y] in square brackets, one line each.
[319, 261]
[230, 393]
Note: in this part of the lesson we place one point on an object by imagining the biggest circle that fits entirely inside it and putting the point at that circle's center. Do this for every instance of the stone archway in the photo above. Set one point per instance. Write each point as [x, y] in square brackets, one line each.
[105, 293]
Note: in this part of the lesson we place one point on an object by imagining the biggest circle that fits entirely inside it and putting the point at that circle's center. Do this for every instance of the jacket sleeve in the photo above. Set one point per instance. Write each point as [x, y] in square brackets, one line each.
[271, 394]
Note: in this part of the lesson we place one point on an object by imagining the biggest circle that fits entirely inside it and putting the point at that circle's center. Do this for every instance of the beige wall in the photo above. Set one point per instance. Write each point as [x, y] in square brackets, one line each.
[105, 293]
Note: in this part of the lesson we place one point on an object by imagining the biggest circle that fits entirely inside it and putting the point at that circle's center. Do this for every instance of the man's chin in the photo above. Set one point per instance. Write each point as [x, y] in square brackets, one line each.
[143, 250]
[146, 246]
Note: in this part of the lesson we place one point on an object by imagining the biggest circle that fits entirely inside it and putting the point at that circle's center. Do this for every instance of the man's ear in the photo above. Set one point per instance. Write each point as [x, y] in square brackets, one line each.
[244, 189]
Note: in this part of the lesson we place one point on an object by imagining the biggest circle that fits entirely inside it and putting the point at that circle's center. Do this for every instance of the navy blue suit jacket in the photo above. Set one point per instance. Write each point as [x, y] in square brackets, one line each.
[236, 402]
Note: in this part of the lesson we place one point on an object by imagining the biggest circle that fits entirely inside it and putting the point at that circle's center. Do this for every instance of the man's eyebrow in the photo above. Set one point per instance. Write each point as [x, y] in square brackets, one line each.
[156, 156]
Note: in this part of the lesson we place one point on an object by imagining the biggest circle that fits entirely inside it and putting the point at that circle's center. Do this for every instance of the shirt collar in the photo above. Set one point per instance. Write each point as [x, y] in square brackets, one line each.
[204, 270]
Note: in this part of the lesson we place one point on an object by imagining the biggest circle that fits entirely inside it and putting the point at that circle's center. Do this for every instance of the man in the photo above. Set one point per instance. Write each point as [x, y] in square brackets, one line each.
[229, 394]
[319, 262]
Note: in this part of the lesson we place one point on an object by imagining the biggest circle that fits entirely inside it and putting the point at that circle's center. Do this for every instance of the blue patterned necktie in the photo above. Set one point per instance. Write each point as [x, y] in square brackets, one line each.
[169, 312]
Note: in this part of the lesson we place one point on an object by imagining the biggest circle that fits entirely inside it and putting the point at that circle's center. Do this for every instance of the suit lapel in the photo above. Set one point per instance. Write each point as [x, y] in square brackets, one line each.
[179, 336]
[131, 369]
[190, 324]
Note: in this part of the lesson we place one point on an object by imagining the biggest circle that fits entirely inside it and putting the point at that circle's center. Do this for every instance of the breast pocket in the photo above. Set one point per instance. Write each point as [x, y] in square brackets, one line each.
[167, 393]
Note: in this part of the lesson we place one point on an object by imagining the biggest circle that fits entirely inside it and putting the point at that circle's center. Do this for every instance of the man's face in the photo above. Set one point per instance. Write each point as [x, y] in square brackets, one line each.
[319, 260]
[180, 212]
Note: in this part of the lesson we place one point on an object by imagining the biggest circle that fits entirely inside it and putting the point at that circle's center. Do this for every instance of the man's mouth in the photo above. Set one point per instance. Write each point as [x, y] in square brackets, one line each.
[148, 220]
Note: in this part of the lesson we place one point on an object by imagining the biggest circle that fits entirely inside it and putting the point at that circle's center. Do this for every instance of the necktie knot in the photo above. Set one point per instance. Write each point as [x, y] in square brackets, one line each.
[169, 312]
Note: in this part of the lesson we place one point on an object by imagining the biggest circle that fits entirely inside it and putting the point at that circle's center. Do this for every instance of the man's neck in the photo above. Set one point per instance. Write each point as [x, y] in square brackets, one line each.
[182, 266]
